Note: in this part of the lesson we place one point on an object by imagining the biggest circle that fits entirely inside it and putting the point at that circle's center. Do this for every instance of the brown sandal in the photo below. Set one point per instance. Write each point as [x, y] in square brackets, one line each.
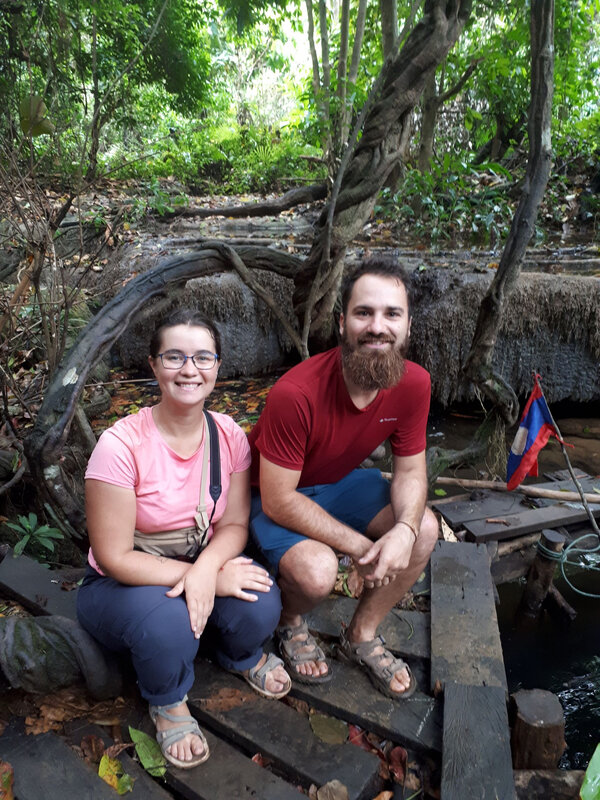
[380, 674]
[292, 657]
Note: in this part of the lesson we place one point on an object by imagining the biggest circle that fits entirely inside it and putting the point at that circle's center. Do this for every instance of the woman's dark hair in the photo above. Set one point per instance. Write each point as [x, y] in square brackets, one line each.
[184, 316]
[385, 266]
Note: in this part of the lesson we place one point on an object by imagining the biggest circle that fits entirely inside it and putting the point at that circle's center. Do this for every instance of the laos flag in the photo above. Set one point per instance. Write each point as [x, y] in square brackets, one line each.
[535, 428]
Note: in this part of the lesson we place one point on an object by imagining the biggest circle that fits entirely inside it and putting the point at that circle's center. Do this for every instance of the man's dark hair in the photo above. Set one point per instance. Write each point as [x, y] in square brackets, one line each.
[184, 316]
[385, 266]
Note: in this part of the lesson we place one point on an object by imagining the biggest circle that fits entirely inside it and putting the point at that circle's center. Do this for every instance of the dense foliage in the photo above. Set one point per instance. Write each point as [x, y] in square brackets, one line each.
[221, 95]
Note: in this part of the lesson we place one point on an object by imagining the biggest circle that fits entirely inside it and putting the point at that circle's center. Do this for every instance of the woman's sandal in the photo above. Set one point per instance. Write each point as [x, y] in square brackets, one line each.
[380, 674]
[290, 648]
[169, 736]
[257, 678]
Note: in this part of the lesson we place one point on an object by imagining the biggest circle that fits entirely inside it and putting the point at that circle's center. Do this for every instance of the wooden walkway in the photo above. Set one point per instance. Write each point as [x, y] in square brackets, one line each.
[457, 717]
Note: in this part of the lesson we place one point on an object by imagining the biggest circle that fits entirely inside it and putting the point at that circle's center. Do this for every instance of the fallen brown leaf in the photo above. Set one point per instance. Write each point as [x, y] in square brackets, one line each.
[384, 796]
[226, 699]
[301, 706]
[92, 748]
[332, 790]
[115, 750]
[397, 761]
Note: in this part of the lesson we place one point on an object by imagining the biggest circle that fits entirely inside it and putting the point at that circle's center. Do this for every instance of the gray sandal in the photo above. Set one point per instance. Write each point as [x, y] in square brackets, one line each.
[257, 678]
[290, 652]
[380, 674]
[168, 737]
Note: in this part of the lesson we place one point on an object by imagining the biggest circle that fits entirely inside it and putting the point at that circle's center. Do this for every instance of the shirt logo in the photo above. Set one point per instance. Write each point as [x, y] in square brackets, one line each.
[389, 419]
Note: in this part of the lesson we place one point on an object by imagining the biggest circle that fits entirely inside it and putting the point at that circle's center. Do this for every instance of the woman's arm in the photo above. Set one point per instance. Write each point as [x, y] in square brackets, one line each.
[111, 513]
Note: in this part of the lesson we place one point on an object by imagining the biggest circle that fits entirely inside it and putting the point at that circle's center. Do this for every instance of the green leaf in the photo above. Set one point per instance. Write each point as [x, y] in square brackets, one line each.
[148, 752]
[329, 729]
[33, 521]
[20, 546]
[125, 783]
[440, 492]
[590, 788]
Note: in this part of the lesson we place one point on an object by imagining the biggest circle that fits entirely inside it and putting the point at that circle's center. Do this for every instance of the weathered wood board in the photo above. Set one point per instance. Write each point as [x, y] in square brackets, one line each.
[415, 723]
[228, 706]
[527, 522]
[36, 588]
[488, 503]
[465, 642]
[406, 633]
[477, 761]
[46, 767]
[228, 774]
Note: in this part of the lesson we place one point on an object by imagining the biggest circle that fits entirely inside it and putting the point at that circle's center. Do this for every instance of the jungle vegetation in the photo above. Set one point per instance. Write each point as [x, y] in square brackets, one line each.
[446, 117]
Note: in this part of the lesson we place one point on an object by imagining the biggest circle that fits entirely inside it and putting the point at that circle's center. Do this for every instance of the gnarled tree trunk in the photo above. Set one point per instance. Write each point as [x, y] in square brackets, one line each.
[478, 366]
[376, 153]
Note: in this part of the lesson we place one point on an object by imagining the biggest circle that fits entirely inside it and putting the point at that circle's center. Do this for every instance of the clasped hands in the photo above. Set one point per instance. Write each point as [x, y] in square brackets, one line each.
[386, 557]
[239, 577]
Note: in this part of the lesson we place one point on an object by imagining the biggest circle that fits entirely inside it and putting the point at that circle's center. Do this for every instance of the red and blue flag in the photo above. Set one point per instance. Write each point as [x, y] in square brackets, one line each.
[535, 428]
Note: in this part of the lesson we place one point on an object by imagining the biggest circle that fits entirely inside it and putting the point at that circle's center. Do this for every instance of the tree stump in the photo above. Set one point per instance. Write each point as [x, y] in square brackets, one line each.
[537, 729]
[541, 573]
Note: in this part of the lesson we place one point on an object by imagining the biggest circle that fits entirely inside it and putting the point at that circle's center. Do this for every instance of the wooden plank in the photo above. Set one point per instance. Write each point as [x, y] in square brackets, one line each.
[465, 642]
[46, 767]
[226, 775]
[488, 503]
[415, 722]
[476, 751]
[227, 705]
[526, 522]
[38, 589]
[407, 633]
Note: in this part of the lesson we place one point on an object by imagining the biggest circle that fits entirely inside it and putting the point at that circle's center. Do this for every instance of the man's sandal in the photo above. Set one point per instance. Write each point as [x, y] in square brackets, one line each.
[257, 678]
[380, 674]
[169, 736]
[290, 649]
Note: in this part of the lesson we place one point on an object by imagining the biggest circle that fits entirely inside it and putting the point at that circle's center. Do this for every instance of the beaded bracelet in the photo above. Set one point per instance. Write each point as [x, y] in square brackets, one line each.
[408, 525]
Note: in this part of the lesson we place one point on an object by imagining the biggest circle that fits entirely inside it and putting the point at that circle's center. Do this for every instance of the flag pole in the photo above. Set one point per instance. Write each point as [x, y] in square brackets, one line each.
[569, 467]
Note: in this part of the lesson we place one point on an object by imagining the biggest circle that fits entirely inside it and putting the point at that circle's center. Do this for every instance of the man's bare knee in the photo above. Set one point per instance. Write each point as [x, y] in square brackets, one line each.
[428, 534]
[309, 568]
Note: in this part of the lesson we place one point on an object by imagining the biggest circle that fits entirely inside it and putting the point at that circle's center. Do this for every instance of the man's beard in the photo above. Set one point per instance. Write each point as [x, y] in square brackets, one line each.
[375, 369]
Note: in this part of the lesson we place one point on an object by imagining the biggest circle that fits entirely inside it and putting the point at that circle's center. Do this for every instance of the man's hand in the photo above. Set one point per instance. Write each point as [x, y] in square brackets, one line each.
[386, 557]
[239, 575]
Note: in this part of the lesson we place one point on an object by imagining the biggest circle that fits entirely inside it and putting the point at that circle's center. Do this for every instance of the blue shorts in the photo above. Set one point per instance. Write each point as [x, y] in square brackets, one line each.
[354, 500]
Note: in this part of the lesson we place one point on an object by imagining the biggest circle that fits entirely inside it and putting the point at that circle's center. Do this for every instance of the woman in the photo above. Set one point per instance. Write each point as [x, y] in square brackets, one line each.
[153, 523]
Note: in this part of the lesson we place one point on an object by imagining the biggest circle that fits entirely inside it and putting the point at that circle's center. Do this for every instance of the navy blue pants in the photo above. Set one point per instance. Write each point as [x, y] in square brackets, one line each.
[155, 630]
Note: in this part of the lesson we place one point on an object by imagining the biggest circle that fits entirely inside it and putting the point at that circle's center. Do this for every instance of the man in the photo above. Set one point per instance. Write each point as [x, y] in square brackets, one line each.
[321, 420]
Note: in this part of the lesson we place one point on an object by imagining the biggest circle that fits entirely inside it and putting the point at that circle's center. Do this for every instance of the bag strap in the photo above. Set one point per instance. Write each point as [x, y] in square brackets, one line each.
[214, 488]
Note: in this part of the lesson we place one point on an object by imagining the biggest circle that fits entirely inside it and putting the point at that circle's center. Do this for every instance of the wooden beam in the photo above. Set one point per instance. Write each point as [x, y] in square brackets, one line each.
[233, 710]
[465, 642]
[476, 746]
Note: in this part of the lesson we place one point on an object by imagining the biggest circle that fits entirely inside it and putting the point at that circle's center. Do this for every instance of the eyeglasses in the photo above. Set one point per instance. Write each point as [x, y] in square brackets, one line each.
[175, 359]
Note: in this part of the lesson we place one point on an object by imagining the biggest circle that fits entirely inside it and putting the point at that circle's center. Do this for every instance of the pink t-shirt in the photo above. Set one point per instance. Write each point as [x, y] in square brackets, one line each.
[134, 455]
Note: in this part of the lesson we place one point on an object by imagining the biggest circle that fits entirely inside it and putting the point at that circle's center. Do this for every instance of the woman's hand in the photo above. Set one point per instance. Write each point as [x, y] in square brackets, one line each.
[240, 574]
[199, 585]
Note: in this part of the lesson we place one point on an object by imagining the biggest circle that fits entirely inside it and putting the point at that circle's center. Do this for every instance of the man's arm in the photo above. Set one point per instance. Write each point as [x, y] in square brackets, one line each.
[293, 510]
[391, 553]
